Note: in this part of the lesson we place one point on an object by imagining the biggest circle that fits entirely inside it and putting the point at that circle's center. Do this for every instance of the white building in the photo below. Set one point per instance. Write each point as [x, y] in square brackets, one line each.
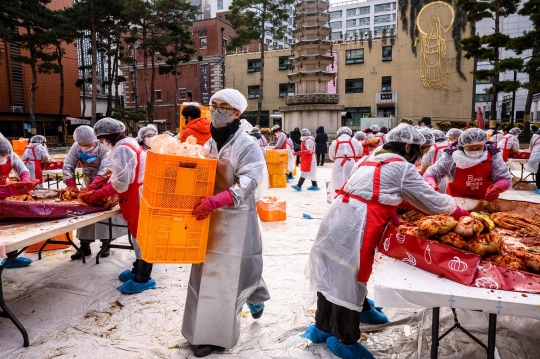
[356, 17]
[513, 25]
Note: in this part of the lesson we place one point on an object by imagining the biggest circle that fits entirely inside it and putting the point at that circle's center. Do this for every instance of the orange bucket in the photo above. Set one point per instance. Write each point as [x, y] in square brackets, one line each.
[270, 209]
[49, 247]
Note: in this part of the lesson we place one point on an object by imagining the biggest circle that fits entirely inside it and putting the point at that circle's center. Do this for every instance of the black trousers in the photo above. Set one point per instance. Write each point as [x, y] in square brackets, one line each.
[340, 321]
[538, 178]
[320, 159]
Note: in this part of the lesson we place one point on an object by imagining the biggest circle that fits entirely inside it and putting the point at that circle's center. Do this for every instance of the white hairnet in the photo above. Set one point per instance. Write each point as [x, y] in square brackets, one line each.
[276, 128]
[428, 135]
[343, 130]
[232, 97]
[38, 139]
[407, 134]
[439, 135]
[454, 133]
[145, 130]
[305, 132]
[375, 128]
[5, 146]
[515, 131]
[151, 125]
[472, 136]
[84, 134]
[359, 134]
[107, 126]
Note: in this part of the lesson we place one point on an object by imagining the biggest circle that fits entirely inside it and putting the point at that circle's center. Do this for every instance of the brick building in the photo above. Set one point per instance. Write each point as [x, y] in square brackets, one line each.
[15, 83]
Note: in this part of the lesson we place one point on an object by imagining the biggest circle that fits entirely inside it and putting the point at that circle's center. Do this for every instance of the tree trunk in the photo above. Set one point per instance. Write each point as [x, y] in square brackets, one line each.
[60, 53]
[495, 85]
[533, 78]
[109, 77]
[261, 81]
[33, 89]
[94, 62]
[83, 69]
[152, 86]
[145, 72]
[115, 72]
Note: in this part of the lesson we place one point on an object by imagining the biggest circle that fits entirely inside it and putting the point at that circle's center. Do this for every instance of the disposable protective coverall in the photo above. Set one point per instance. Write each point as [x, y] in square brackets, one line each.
[344, 151]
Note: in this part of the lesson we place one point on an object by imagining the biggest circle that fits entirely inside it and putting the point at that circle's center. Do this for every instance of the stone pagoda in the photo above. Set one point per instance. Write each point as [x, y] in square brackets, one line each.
[312, 70]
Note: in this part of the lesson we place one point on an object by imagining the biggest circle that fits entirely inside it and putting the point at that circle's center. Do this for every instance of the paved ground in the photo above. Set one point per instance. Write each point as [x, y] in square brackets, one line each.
[73, 310]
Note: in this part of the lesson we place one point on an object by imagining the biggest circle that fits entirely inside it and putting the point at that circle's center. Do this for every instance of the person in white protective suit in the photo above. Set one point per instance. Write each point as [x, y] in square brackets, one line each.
[428, 143]
[261, 140]
[435, 152]
[535, 140]
[96, 165]
[145, 134]
[344, 151]
[284, 142]
[534, 159]
[341, 259]
[128, 161]
[509, 143]
[308, 162]
[231, 275]
[35, 157]
[453, 134]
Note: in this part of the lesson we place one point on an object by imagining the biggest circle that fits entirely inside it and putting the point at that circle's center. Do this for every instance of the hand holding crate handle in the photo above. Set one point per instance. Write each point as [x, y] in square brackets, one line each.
[207, 204]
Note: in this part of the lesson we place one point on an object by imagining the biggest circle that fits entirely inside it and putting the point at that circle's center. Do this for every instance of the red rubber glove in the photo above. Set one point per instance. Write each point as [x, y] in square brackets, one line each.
[431, 181]
[70, 182]
[91, 196]
[95, 183]
[395, 219]
[459, 212]
[492, 193]
[25, 177]
[206, 205]
[17, 188]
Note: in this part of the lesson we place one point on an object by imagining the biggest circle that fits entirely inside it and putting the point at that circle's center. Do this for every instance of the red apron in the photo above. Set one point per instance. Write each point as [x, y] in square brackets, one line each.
[37, 164]
[345, 158]
[378, 215]
[471, 182]
[437, 148]
[506, 151]
[4, 171]
[284, 146]
[535, 143]
[129, 200]
[365, 149]
[305, 160]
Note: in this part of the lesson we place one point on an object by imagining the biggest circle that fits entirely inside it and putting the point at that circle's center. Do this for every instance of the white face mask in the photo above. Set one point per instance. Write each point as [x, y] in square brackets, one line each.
[88, 149]
[3, 160]
[148, 141]
[302, 138]
[473, 154]
[220, 120]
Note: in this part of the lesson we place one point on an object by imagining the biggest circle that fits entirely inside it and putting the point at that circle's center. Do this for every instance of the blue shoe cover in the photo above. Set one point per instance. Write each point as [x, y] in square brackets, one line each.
[254, 309]
[19, 262]
[314, 188]
[354, 351]
[290, 177]
[126, 275]
[372, 304]
[307, 216]
[297, 188]
[315, 334]
[373, 316]
[132, 287]
[538, 191]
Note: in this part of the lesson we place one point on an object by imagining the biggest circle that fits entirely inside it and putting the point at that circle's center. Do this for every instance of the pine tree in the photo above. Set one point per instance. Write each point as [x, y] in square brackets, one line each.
[248, 18]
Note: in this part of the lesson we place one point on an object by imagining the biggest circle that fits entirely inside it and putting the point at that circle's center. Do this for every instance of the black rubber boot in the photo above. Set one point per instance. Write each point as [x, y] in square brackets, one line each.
[85, 248]
[105, 253]
[301, 181]
[204, 350]
[144, 270]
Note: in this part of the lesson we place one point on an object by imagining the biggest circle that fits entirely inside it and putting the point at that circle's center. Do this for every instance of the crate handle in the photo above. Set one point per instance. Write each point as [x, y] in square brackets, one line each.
[187, 164]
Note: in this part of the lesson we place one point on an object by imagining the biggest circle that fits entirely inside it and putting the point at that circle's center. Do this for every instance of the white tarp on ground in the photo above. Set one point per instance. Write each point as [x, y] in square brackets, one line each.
[72, 309]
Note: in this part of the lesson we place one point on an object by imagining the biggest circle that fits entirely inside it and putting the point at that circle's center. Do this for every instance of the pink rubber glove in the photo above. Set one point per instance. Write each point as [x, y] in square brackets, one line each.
[70, 182]
[17, 188]
[459, 212]
[25, 177]
[106, 191]
[503, 184]
[492, 193]
[95, 183]
[206, 205]
[432, 182]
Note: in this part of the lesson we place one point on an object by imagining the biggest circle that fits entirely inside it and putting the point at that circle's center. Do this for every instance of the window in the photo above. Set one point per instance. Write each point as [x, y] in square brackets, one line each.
[183, 93]
[203, 42]
[393, 6]
[351, 23]
[268, 29]
[351, 12]
[357, 113]
[364, 31]
[220, 4]
[335, 35]
[488, 81]
[394, 17]
[363, 10]
[336, 24]
[386, 84]
[254, 65]
[253, 92]
[224, 43]
[354, 56]
[350, 34]
[268, 42]
[363, 21]
[387, 53]
[482, 97]
[158, 95]
[379, 29]
[284, 63]
[354, 85]
[132, 96]
[382, 18]
[286, 90]
[383, 7]
[336, 14]
[290, 21]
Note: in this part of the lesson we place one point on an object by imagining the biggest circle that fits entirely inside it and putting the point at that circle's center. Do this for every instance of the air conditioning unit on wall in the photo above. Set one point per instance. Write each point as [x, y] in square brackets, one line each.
[17, 109]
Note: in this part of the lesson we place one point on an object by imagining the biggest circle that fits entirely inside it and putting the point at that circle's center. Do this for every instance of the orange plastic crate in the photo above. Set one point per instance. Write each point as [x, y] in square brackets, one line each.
[49, 247]
[277, 156]
[294, 171]
[19, 145]
[270, 209]
[277, 168]
[177, 182]
[278, 181]
[19, 153]
[171, 236]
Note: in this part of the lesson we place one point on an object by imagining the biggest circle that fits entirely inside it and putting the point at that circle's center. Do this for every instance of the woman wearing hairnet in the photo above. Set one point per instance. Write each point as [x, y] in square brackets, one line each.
[283, 142]
[424, 149]
[35, 157]
[509, 143]
[308, 162]
[232, 272]
[145, 134]
[340, 262]
[453, 134]
[534, 159]
[435, 152]
[261, 140]
[361, 137]
[474, 168]
[344, 151]
[128, 161]
[92, 156]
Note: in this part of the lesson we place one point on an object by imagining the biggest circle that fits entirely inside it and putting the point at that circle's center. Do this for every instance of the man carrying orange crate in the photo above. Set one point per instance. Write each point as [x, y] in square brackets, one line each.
[232, 272]
[196, 126]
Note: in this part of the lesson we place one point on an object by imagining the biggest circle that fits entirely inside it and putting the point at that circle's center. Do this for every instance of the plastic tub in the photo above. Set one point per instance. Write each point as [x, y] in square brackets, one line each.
[278, 181]
[49, 247]
[277, 169]
[277, 156]
[271, 209]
